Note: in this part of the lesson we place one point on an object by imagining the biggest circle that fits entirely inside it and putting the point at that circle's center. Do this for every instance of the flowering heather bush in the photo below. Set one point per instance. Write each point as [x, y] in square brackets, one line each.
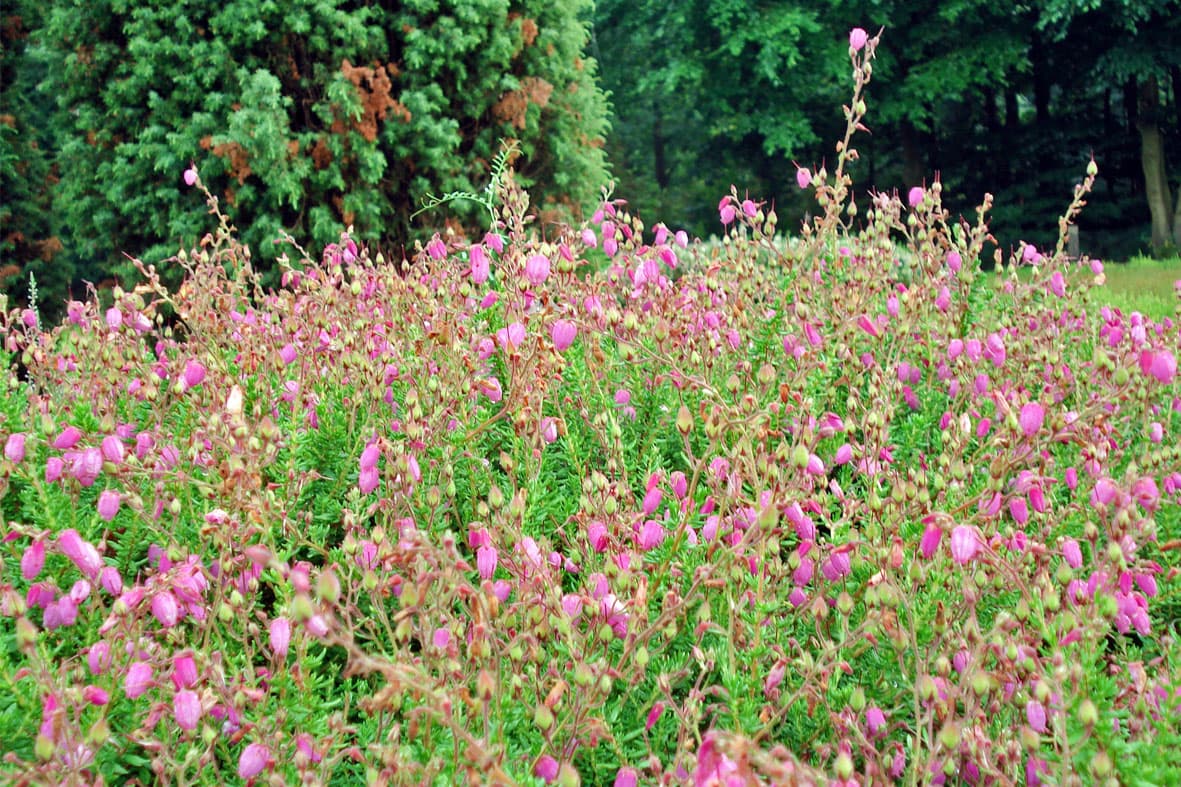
[536, 510]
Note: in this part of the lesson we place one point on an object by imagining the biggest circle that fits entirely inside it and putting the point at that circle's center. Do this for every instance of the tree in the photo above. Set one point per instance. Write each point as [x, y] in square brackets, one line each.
[310, 116]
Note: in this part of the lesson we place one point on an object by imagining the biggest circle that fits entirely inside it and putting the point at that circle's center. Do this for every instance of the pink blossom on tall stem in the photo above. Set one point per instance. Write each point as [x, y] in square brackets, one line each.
[14, 448]
[750, 208]
[932, 535]
[1159, 364]
[857, 39]
[546, 769]
[33, 560]
[915, 196]
[368, 480]
[954, 261]
[190, 176]
[965, 543]
[138, 679]
[537, 267]
[589, 239]
[726, 211]
[108, 504]
[478, 261]
[1032, 416]
[186, 709]
[114, 318]
[67, 438]
[184, 671]
[279, 633]
[253, 760]
[486, 559]
[113, 450]
[436, 248]
[165, 609]
[193, 374]
[651, 534]
[98, 658]
[81, 553]
[563, 334]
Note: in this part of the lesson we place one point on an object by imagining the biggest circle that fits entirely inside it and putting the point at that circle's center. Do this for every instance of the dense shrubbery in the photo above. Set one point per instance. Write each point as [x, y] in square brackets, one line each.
[307, 117]
[540, 510]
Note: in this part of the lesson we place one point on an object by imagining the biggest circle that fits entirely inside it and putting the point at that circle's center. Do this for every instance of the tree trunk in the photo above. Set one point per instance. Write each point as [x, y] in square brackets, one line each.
[1152, 160]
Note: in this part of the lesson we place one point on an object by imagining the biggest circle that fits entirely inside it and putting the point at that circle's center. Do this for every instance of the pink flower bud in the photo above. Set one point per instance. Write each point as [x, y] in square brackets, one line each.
[368, 480]
[803, 178]
[81, 553]
[546, 769]
[114, 318]
[537, 268]
[436, 248]
[726, 211]
[915, 196]
[965, 543]
[478, 263]
[110, 580]
[611, 246]
[1031, 418]
[486, 559]
[1159, 364]
[194, 374]
[932, 535]
[138, 679]
[33, 560]
[165, 609]
[14, 448]
[184, 671]
[370, 456]
[67, 438]
[280, 636]
[749, 208]
[186, 709]
[596, 533]
[589, 239]
[1035, 714]
[1018, 510]
[1072, 553]
[112, 449]
[98, 658]
[108, 504]
[651, 534]
[253, 760]
[95, 696]
[494, 242]
[190, 176]
[563, 334]
[441, 638]
[857, 39]
[626, 777]
[954, 261]
[875, 720]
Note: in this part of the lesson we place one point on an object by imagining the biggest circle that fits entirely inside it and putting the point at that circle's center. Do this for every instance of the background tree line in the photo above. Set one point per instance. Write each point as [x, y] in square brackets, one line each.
[313, 115]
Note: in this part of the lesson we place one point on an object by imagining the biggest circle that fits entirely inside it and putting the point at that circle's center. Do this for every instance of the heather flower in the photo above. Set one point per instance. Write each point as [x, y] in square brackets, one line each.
[108, 504]
[589, 238]
[494, 241]
[190, 176]
[193, 374]
[368, 480]
[85, 465]
[1018, 510]
[280, 636]
[546, 769]
[875, 720]
[836, 567]
[67, 438]
[549, 430]
[14, 448]
[610, 245]
[441, 638]
[81, 553]
[184, 671]
[486, 559]
[60, 613]
[563, 333]
[726, 211]
[713, 767]
[537, 268]
[253, 760]
[1159, 364]
[626, 777]
[436, 248]
[932, 535]
[138, 679]
[1035, 714]
[165, 609]
[954, 261]
[114, 318]
[750, 208]
[596, 533]
[915, 196]
[370, 455]
[857, 39]
[965, 543]
[95, 696]
[651, 534]
[113, 450]
[33, 560]
[98, 657]
[186, 709]
[1031, 418]
[478, 263]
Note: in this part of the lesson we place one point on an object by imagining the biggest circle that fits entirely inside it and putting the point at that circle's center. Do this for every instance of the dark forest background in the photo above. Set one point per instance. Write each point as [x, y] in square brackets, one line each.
[313, 115]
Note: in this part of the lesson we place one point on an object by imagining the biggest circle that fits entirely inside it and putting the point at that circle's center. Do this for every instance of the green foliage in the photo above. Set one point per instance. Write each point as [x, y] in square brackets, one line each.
[307, 117]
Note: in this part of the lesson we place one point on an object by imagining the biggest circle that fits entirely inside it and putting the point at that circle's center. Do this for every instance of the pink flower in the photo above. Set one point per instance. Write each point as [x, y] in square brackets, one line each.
[915, 196]
[85, 465]
[114, 318]
[1159, 364]
[1031, 418]
[368, 480]
[280, 636]
[803, 177]
[844, 455]
[113, 450]
[546, 769]
[370, 456]
[930, 541]
[1058, 284]
[626, 777]
[857, 39]
[33, 560]
[563, 334]
[1018, 510]
[95, 696]
[610, 245]
[81, 553]
[726, 211]
[184, 671]
[194, 374]
[14, 448]
[537, 269]
[138, 679]
[165, 609]
[480, 267]
[190, 176]
[494, 242]
[436, 248]
[186, 709]
[965, 543]
[110, 580]
[875, 719]
[67, 438]
[954, 261]
[1035, 714]
[750, 208]
[651, 534]
[714, 767]
[108, 504]
[253, 760]
[596, 533]
[836, 566]
[98, 658]
[441, 638]
[486, 560]
[589, 238]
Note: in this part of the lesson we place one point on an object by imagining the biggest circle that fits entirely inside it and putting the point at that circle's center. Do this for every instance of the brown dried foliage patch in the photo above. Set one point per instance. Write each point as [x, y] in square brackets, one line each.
[373, 87]
[238, 159]
[512, 105]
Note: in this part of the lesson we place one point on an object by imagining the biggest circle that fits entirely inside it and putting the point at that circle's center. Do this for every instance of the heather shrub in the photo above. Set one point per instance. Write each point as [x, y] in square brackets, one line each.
[536, 510]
